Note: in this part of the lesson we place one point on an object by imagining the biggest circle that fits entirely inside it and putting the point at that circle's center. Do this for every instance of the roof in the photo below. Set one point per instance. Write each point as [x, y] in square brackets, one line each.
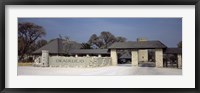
[89, 51]
[53, 47]
[138, 45]
[125, 56]
[57, 47]
[173, 51]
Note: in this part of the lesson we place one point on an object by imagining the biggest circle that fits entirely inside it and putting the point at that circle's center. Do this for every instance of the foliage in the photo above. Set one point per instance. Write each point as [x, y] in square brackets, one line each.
[67, 43]
[120, 39]
[41, 43]
[179, 44]
[104, 40]
[95, 41]
[86, 46]
[28, 33]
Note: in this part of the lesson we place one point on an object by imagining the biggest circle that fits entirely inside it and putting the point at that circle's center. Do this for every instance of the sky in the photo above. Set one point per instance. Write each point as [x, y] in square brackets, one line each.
[166, 30]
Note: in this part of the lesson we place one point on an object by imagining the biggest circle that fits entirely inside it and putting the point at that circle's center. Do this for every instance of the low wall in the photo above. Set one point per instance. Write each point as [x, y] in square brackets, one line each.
[59, 61]
[80, 62]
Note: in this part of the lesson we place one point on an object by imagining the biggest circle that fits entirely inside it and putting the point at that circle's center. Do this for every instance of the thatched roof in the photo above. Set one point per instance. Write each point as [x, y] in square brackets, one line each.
[173, 51]
[89, 51]
[57, 47]
[138, 45]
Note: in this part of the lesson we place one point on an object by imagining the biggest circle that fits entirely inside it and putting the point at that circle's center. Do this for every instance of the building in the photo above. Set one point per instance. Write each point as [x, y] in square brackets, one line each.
[143, 53]
[58, 47]
[138, 52]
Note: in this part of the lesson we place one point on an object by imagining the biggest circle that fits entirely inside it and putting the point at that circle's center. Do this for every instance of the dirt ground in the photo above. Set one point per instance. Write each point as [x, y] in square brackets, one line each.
[120, 70]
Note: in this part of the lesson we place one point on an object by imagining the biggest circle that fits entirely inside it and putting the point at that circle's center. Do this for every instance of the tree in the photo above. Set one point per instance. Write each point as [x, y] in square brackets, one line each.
[179, 44]
[95, 41]
[86, 46]
[28, 33]
[64, 37]
[104, 40]
[67, 43]
[107, 38]
[32, 48]
[120, 39]
[41, 43]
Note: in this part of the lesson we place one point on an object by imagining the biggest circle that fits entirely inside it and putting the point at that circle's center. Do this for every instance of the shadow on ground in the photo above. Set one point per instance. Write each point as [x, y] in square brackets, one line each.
[146, 64]
[141, 64]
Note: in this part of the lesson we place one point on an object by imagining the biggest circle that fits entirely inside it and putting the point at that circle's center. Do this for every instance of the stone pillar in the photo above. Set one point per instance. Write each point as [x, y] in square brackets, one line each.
[114, 56]
[134, 57]
[179, 60]
[45, 58]
[143, 55]
[159, 57]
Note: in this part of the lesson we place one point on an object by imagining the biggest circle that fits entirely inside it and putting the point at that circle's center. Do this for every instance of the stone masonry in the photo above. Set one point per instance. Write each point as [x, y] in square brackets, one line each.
[45, 58]
[114, 56]
[143, 55]
[134, 57]
[79, 62]
[61, 61]
[159, 57]
[179, 61]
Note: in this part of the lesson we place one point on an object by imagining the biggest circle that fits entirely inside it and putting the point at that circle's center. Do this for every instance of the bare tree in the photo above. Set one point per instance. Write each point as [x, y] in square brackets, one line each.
[66, 42]
[120, 39]
[86, 46]
[95, 40]
[28, 33]
[105, 39]
[41, 43]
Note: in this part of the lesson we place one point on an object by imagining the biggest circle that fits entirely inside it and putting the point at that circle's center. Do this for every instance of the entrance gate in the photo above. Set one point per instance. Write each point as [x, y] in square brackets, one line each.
[135, 47]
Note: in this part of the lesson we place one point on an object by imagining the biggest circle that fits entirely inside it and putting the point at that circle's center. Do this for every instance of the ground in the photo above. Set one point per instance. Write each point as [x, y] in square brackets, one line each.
[120, 70]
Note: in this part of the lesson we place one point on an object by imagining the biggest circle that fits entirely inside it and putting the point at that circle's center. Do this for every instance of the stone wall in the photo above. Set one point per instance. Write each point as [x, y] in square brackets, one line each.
[143, 55]
[45, 58]
[37, 61]
[62, 61]
[79, 62]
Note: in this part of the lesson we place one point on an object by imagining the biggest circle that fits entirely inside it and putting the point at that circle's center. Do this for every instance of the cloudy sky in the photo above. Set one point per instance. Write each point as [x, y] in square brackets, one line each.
[167, 30]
